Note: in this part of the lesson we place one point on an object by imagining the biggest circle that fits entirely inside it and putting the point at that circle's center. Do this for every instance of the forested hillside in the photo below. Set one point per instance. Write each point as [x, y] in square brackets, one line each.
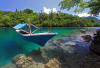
[93, 18]
[9, 19]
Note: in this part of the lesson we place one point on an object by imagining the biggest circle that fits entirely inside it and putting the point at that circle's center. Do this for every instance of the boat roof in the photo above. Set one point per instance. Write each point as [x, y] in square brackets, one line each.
[25, 25]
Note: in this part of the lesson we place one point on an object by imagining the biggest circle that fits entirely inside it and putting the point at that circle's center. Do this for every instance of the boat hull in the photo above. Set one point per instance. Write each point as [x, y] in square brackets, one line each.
[40, 39]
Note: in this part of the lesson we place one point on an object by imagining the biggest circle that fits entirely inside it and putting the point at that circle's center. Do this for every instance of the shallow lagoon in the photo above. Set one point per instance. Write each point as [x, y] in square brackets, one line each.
[11, 44]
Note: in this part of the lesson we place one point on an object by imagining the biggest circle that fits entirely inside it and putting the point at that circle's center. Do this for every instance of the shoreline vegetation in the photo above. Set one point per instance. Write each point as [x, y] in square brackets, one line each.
[59, 19]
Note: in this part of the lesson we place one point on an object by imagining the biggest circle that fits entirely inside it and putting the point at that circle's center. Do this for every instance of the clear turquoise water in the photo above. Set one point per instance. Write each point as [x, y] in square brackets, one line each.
[11, 44]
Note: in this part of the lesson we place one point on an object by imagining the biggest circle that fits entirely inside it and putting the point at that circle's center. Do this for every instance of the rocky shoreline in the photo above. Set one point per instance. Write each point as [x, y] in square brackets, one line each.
[73, 52]
[92, 60]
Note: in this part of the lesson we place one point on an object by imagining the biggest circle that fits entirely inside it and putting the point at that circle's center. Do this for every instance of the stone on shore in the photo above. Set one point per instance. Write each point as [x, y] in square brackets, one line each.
[95, 44]
[91, 61]
[87, 38]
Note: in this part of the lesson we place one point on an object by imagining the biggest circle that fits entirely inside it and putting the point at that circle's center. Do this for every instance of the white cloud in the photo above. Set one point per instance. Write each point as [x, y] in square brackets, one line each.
[55, 10]
[46, 10]
[84, 15]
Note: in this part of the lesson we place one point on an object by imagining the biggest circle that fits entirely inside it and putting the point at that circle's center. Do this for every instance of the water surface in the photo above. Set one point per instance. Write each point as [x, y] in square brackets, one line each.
[11, 44]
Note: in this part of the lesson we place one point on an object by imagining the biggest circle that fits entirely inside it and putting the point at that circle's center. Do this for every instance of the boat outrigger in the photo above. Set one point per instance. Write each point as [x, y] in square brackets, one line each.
[38, 38]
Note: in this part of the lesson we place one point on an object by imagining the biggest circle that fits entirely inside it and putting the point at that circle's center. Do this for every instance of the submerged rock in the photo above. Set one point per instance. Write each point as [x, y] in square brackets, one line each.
[70, 43]
[10, 66]
[69, 52]
[55, 42]
[28, 62]
[53, 63]
[24, 63]
[36, 65]
[82, 31]
[87, 38]
[18, 57]
[0, 66]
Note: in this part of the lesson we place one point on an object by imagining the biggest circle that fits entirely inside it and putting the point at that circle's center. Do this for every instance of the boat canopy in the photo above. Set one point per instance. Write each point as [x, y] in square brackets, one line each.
[22, 26]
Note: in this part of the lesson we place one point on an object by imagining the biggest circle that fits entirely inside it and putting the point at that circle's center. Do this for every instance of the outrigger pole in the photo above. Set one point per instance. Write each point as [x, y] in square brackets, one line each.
[29, 26]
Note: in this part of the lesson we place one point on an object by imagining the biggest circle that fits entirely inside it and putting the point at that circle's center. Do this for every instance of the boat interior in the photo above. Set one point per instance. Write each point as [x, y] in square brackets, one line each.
[23, 32]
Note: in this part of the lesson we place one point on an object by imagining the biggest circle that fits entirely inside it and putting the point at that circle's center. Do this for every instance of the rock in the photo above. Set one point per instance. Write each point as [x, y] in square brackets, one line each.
[10, 66]
[70, 52]
[24, 63]
[91, 61]
[86, 38]
[95, 44]
[53, 63]
[70, 43]
[18, 57]
[95, 48]
[55, 42]
[97, 33]
[82, 31]
[21, 61]
[36, 65]
[63, 35]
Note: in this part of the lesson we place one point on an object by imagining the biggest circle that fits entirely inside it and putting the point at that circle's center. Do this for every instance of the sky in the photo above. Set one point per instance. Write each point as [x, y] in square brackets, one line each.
[37, 5]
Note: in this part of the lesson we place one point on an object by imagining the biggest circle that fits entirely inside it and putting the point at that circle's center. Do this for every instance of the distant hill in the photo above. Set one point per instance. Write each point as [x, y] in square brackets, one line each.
[94, 18]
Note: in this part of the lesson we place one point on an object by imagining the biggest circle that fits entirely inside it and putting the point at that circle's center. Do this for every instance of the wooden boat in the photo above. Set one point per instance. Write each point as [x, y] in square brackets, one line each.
[38, 38]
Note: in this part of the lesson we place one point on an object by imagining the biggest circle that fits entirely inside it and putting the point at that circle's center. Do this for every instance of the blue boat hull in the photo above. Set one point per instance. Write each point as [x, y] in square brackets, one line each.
[41, 40]
[38, 39]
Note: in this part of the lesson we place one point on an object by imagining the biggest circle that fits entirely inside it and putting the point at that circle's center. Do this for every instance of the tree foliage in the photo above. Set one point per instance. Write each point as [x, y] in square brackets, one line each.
[80, 5]
[94, 6]
[8, 19]
[28, 11]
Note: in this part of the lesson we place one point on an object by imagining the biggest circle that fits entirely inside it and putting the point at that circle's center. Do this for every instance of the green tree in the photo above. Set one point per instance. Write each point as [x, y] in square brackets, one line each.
[16, 10]
[80, 5]
[1, 12]
[28, 11]
[9, 19]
